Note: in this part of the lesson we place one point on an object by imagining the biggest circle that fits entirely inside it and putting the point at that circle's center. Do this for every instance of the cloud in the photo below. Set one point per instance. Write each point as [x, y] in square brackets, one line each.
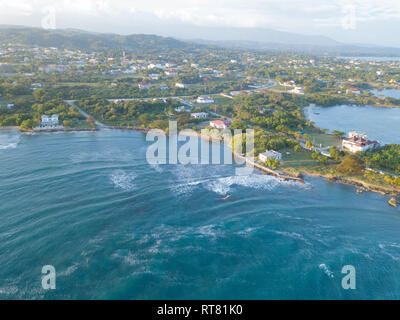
[123, 16]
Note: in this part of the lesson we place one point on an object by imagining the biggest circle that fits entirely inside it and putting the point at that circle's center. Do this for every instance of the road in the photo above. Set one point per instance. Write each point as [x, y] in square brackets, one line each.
[72, 104]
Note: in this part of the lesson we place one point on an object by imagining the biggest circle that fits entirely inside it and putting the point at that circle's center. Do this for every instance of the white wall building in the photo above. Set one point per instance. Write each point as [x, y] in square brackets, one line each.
[204, 99]
[199, 115]
[220, 124]
[49, 121]
[181, 85]
[358, 142]
[270, 154]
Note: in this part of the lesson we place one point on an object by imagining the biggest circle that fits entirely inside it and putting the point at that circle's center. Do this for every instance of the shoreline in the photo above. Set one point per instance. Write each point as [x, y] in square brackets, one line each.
[347, 181]
[359, 184]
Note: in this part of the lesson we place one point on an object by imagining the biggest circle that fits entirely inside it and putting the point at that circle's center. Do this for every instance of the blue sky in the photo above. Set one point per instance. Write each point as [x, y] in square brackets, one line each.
[355, 21]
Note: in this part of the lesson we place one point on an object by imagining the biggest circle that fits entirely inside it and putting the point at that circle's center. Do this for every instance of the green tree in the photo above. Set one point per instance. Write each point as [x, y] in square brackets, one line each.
[351, 165]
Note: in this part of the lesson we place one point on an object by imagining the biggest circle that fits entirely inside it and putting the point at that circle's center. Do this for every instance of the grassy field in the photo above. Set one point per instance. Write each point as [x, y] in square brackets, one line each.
[295, 156]
[326, 140]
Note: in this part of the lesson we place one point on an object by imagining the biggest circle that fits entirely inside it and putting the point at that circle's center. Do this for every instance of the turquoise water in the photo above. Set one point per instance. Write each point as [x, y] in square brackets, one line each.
[378, 123]
[115, 227]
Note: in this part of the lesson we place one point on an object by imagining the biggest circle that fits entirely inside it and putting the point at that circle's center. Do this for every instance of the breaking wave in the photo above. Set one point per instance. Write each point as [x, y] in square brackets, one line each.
[8, 141]
[255, 181]
[326, 270]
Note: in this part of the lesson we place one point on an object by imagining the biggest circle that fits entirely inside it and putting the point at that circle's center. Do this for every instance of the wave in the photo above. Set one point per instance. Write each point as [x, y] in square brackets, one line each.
[9, 146]
[255, 181]
[123, 180]
[326, 270]
[9, 141]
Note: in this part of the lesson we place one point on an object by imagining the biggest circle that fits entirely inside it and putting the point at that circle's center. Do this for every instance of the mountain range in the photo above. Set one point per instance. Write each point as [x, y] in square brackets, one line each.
[253, 39]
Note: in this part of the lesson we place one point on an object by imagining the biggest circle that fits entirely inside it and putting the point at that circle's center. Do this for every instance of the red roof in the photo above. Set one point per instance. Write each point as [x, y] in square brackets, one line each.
[221, 122]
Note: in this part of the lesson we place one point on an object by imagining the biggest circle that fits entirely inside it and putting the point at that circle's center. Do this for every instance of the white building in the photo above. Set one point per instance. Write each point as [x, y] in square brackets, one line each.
[10, 106]
[183, 109]
[143, 85]
[297, 90]
[49, 121]
[270, 154]
[220, 124]
[204, 99]
[171, 73]
[199, 115]
[154, 76]
[353, 91]
[358, 142]
[181, 85]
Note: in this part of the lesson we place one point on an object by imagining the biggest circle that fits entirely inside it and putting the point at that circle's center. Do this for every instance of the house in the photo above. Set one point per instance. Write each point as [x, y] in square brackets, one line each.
[235, 93]
[154, 76]
[10, 106]
[289, 83]
[297, 90]
[220, 124]
[171, 73]
[270, 154]
[163, 87]
[49, 121]
[358, 142]
[204, 99]
[181, 85]
[353, 91]
[199, 115]
[143, 85]
[183, 109]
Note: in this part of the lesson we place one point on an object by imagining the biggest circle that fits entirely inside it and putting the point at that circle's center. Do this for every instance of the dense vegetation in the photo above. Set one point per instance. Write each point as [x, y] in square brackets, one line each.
[385, 158]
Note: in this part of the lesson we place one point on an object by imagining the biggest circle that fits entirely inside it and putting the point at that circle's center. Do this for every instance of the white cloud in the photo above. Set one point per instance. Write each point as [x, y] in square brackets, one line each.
[304, 16]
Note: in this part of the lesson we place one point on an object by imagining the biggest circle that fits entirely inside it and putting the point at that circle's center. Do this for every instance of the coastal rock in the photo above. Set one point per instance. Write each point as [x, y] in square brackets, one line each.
[393, 202]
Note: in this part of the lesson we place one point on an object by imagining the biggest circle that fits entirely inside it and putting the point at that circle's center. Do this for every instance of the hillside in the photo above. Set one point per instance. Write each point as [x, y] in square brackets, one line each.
[67, 39]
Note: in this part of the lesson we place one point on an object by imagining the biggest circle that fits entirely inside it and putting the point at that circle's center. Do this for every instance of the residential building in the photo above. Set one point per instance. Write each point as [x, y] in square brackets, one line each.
[358, 142]
[171, 73]
[181, 85]
[205, 99]
[297, 90]
[353, 91]
[270, 154]
[183, 109]
[199, 115]
[220, 124]
[49, 122]
[143, 85]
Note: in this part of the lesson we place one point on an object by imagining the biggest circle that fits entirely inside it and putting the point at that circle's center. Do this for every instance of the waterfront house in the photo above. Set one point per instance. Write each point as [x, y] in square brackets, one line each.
[358, 142]
[199, 115]
[49, 122]
[220, 124]
[270, 154]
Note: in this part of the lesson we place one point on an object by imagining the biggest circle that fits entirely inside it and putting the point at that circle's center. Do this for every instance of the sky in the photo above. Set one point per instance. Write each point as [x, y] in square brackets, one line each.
[351, 21]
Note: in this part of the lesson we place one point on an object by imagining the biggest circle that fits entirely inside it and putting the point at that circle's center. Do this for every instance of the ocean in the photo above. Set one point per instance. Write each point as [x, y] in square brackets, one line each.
[115, 227]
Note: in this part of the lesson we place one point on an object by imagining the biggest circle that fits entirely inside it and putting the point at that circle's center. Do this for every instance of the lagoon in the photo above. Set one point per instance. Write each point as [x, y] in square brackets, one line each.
[378, 123]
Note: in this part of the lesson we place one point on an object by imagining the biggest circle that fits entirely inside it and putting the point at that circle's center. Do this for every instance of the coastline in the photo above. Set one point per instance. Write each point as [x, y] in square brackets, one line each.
[348, 181]
[359, 184]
